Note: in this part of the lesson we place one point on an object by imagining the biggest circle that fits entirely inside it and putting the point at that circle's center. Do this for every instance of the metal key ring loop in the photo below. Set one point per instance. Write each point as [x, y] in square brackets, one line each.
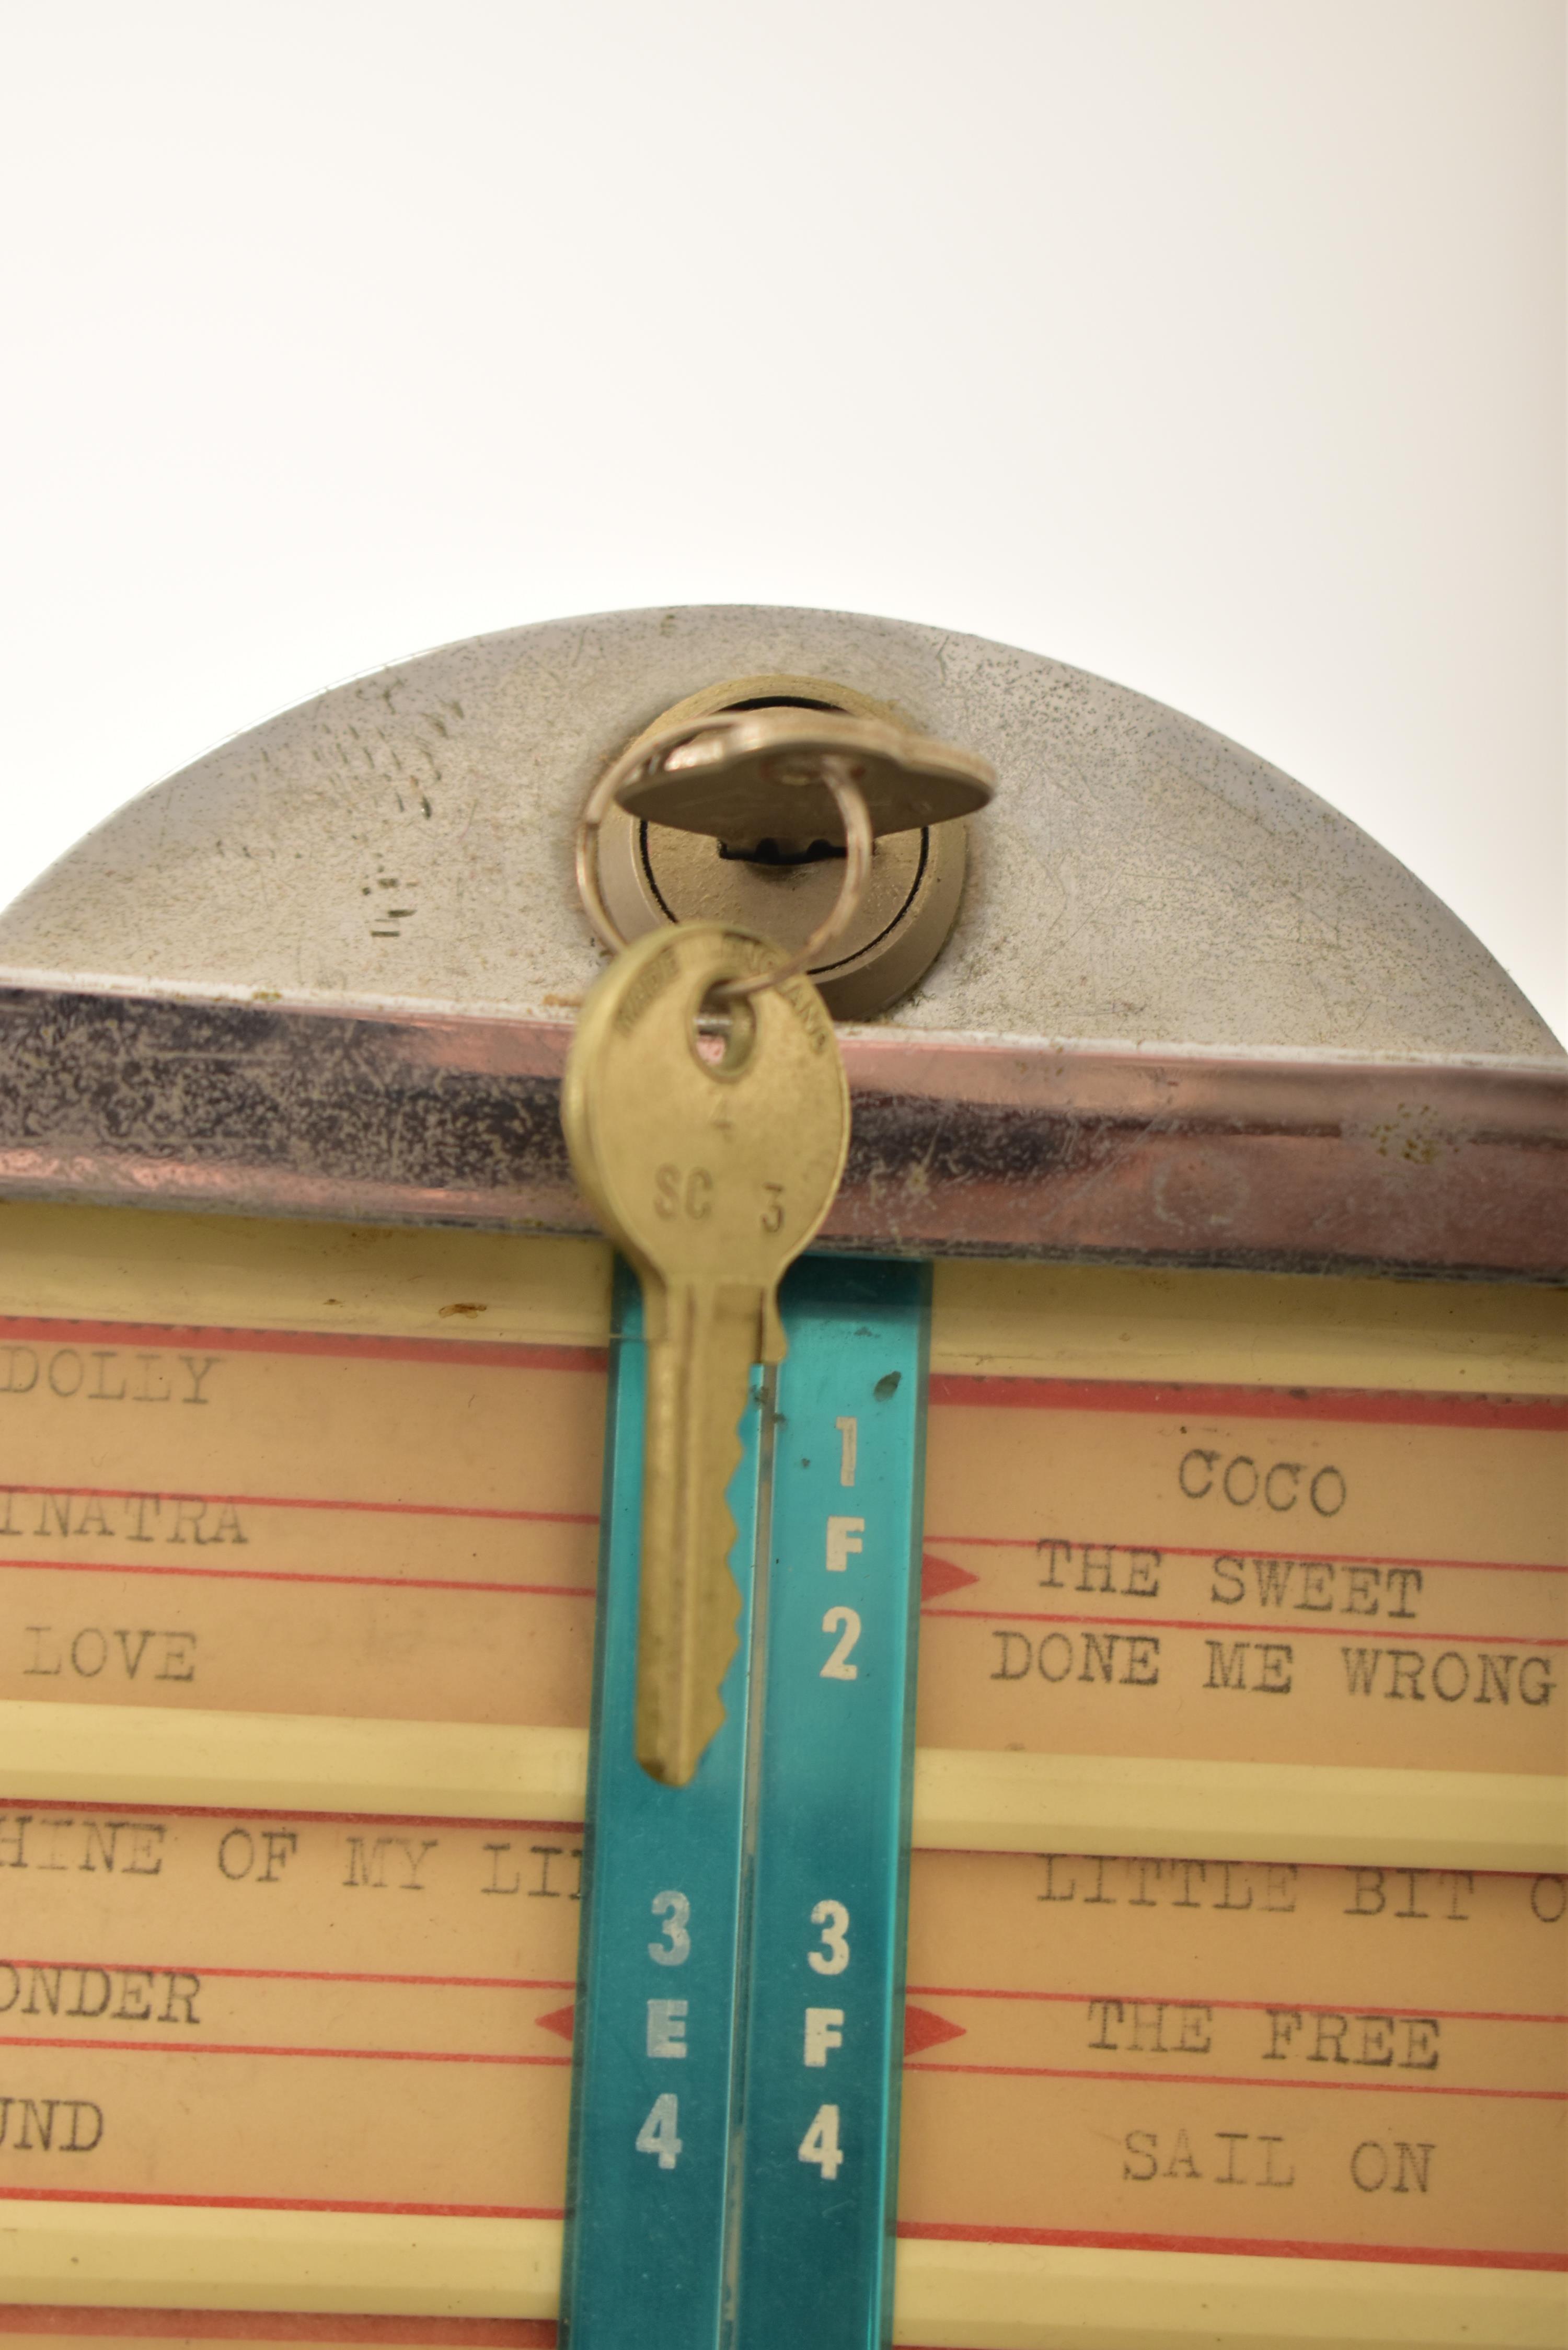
[858, 840]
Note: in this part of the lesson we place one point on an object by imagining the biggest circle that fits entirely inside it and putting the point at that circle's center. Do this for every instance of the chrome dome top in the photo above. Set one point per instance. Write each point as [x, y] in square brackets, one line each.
[409, 837]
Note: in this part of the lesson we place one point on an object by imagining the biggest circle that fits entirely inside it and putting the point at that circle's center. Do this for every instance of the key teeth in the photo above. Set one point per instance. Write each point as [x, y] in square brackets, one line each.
[692, 1603]
[670, 1753]
[771, 1344]
[673, 1760]
[709, 1713]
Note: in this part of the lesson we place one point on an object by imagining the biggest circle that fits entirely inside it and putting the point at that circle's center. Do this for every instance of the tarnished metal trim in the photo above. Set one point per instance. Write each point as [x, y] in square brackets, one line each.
[962, 1145]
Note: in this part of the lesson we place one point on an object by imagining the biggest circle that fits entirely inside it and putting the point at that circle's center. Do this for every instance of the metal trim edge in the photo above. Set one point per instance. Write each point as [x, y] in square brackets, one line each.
[1177, 1155]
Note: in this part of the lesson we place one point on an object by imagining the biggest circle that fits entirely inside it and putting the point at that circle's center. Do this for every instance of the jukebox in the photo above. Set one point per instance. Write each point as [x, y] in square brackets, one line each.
[784, 1532]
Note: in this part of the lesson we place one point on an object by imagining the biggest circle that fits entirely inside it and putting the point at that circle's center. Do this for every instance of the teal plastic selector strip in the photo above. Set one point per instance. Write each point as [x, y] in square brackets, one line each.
[828, 1814]
[734, 2133]
[651, 2091]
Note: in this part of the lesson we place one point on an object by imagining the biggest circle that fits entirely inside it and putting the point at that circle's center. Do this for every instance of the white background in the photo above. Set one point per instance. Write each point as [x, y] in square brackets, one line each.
[1214, 345]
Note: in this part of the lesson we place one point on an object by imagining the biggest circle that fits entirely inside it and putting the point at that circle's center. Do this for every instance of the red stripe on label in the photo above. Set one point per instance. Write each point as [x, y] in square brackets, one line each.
[1198, 1401]
[1290, 2248]
[280, 2326]
[294, 1575]
[258, 1812]
[280, 2203]
[1239, 2081]
[1347, 1628]
[1142, 1999]
[225, 2048]
[499, 1354]
[1217, 1551]
[325, 1974]
[309, 1502]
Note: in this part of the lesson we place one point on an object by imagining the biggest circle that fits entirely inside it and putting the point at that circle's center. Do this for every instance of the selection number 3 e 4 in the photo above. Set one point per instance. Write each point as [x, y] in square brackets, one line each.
[659, 2134]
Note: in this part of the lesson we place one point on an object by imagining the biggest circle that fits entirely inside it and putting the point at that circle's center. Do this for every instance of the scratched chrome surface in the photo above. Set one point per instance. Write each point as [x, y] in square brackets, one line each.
[960, 1145]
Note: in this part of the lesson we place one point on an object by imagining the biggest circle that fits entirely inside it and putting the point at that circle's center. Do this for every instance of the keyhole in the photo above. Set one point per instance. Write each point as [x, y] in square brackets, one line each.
[723, 1031]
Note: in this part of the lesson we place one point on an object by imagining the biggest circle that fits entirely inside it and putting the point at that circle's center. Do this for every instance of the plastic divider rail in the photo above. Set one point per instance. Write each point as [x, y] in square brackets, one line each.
[734, 2133]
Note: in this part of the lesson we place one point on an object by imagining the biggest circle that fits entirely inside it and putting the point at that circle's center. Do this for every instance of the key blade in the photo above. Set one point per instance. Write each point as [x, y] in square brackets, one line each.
[713, 1174]
[699, 1380]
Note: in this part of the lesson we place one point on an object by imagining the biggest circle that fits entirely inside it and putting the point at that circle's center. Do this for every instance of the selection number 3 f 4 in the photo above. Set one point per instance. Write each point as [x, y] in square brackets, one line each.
[822, 2032]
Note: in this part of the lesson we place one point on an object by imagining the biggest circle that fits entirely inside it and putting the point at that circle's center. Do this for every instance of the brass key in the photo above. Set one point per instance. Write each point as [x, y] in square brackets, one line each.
[711, 1153]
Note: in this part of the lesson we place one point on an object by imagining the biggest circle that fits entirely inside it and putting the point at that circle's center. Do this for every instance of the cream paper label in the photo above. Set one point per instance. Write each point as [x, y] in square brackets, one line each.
[316, 1473]
[1288, 1576]
[294, 1521]
[298, 1521]
[377, 2015]
[1228, 2057]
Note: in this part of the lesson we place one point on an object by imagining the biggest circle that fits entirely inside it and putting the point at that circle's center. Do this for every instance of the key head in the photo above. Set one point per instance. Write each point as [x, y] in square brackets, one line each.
[711, 1156]
[759, 774]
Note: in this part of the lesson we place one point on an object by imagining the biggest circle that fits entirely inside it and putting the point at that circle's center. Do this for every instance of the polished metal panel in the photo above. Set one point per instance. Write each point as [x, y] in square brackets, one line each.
[1298, 1161]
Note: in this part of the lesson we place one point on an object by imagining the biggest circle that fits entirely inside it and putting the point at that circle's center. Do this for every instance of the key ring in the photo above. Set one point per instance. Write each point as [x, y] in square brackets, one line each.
[654, 750]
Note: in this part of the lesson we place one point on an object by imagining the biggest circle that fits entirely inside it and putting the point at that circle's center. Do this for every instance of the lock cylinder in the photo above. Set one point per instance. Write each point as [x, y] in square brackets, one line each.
[740, 828]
